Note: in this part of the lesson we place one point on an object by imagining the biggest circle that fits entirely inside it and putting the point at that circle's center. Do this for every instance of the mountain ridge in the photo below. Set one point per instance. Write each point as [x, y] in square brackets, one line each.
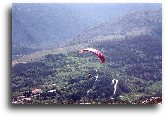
[91, 38]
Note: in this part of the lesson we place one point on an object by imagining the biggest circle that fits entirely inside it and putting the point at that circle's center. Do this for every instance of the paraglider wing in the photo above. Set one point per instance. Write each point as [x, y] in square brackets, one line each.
[97, 52]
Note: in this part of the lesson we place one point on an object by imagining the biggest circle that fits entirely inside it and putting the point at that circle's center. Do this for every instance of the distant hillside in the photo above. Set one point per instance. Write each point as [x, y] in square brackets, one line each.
[130, 25]
[45, 26]
[132, 46]
[38, 27]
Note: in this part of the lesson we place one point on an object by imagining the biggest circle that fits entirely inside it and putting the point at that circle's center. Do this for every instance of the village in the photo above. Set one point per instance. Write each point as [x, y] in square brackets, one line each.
[36, 94]
[53, 96]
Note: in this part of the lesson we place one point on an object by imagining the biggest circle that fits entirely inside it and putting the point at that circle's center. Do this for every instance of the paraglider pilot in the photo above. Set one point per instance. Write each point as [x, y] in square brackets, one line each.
[89, 75]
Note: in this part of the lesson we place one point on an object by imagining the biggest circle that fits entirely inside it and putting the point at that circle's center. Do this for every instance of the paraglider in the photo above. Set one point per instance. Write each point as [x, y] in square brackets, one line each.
[97, 52]
[100, 55]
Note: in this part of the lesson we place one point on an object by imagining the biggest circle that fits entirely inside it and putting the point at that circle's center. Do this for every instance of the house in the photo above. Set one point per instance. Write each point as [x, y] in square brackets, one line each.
[51, 91]
[36, 91]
